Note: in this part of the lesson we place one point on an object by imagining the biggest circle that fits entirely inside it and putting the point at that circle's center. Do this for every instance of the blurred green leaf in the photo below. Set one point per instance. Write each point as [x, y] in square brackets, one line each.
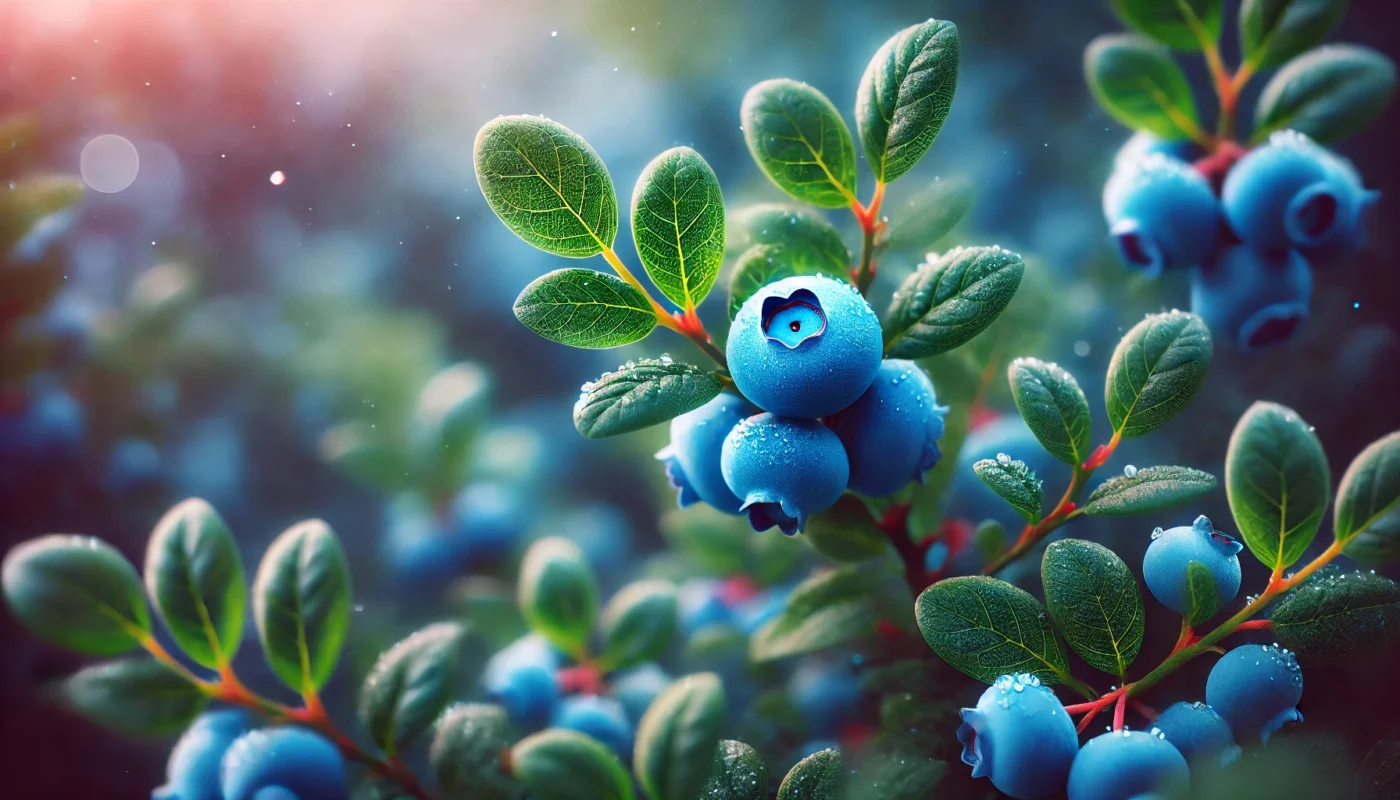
[1201, 591]
[1328, 93]
[816, 777]
[469, 741]
[133, 697]
[77, 592]
[1155, 370]
[1278, 483]
[1013, 482]
[988, 628]
[1095, 602]
[794, 227]
[1179, 24]
[1148, 489]
[558, 592]
[905, 95]
[410, 684]
[1138, 83]
[918, 222]
[676, 738]
[27, 201]
[194, 575]
[641, 394]
[830, 608]
[585, 308]
[301, 603]
[989, 538]
[799, 140]
[1053, 406]
[637, 623]
[947, 302]
[1273, 31]
[763, 264]
[1367, 515]
[894, 773]
[362, 452]
[846, 531]
[738, 774]
[678, 225]
[1336, 614]
[558, 764]
[450, 411]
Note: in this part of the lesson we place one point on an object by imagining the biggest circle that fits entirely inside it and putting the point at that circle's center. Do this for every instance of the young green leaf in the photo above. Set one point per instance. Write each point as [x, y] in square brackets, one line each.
[558, 592]
[1095, 602]
[1147, 490]
[410, 684]
[799, 140]
[1014, 482]
[829, 608]
[468, 741]
[547, 185]
[905, 94]
[637, 623]
[1328, 93]
[451, 408]
[1201, 591]
[1338, 614]
[1155, 371]
[1053, 406]
[1179, 24]
[1277, 480]
[1138, 83]
[585, 308]
[194, 575]
[988, 628]
[676, 738]
[791, 226]
[361, 451]
[77, 592]
[989, 538]
[133, 697]
[738, 774]
[947, 302]
[641, 394]
[301, 604]
[816, 777]
[1367, 516]
[929, 214]
[1273, 31]
[559, 764]
[763, 264]
[846, 532]
[678, 225]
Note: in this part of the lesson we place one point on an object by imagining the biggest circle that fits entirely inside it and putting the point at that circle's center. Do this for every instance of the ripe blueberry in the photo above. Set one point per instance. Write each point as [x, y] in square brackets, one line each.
[804, 347]
[637, 687]
[1255, 298]
[891, 433]
[692, 457]
[521, 677]
[603, 718]
[1125, 764]
[1359, 227]
[305, 765]
[1142, 143]
[1165, 565]
[1020, 737]
[826, 695]
[193, 770]
[753, 613]
[490, 517]
[1256, 689]
[784, 470]
[1162, 214]
[133, 465]
[1199, 734]
[701, 603]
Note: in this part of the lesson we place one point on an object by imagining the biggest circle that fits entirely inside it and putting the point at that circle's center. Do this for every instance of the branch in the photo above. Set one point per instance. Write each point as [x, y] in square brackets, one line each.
[869, 219]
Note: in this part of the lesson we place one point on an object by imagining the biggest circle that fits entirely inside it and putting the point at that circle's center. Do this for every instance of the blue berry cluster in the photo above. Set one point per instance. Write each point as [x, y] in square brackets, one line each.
[824, 413]
[223, 756]
[1249, 225]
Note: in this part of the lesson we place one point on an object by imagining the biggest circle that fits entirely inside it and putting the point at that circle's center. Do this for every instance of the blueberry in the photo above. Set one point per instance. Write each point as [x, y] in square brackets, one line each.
[1199, 734]
[1256, 689]
[423, 551]
[53, 427]
[1143, 143]
[1162, 214]
[1164, 567]
[521, 678]
[491, 517]
[603, 718]
[133, 465]
[1126, 764]
[1358, 227]
[757, 611]
[970, 499]
[804, 347]
[700, 604]
[891, 433]
[1254, 298]
[637, 687]
[826, 695]
[692, 458]
[1020, 737]
[193, 770]
[784, 470]
[306, 765]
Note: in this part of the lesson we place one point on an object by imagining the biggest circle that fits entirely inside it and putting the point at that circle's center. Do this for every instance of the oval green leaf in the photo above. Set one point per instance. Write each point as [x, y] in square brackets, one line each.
[1155, 371]
[799, 140]
[1201, 592]
[547, 185]
[926, 216]
[585, 308]
[641, 394]
[637, 623]
[1014, 482]
[678, 225]
[1338, 614]
[738, 774]
[846, 532]
[1095, 602]
[77, 592]
[763, 264]
[558, 593]
[1367, 516]
[1053, 406]
[1147, 490]
[301, 604]
[988, 628]
[362, 452]
[905, 95]
[1277, 480]
[1273, 31]
[194, 575]
[1179, 24]
[1328, 93]
[451, 408]
[133, 697]
[816, 777]
[469, 742]
[410, 684]
[827, 609]
[947, 302]
[558, 764]
[1138, 83]
[676, 738]
[791, 226]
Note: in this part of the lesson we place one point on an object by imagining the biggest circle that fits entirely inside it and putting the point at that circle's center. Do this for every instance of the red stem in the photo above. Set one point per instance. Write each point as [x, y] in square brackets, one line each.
[1119, 710]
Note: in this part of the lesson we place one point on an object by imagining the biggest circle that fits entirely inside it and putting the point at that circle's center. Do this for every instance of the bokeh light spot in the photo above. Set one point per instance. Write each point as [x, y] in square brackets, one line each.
[109, 163]
[278, 178]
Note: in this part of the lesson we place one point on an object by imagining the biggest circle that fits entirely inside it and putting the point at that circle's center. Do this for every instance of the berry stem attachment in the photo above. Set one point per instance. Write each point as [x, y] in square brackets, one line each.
[687, 323]
[1120, 709]
[869, 218]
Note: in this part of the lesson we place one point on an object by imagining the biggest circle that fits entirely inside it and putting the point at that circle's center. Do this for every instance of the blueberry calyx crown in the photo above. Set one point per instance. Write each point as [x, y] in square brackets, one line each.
[1223, 542]
[794, 319]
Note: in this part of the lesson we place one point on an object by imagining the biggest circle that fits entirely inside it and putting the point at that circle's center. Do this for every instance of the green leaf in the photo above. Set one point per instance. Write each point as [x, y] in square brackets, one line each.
[947, 302]
[558, 764]
[359, 450]
[988, 628]
[1095, 602]
[794, 227]
[1053, 406]
[637, 623]
[1367, 516]
[676, 738]
[830, 608]
[738, 774]
[77, 592]
[133, 697]
[929, 214]
[1339, 614]
[585, 308]
[410, 684]
[989, 538]
[905, 94]
[1155, 371]
[1201, 591]
[1175, 23]
[763, 264]
[902, 771]
[640, 394]
[451, 408]
[846, 532]
[558, 592]
[1147, 490]
[678, 225]
[195, 578]
[799, 140]
[547, 185]
[1014, 482]
[816, 777]
[1277, 480]
[1273, 31]
[468, 741]
[1328, 93]
[301, 603]
[28, 202]
[1139, 84]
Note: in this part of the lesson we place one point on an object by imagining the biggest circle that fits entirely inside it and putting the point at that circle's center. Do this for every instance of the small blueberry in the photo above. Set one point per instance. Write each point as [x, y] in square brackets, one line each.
[521, 677]
[891, 433]
[1253, 298]
[1020, 737]
[305, 765]
[692, 458]
[193, 770]
[1199, 734]
[603, 718]
[1256, 689]
[1164, 567]
[1125, 764]
[784, 470]
[1162, 214]
[1290, 192]
[638, 687]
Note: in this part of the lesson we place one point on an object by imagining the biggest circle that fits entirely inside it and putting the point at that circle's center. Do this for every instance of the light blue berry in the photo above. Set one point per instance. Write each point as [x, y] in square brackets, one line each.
[692, 458]
[891, 433]
[1290, 192]
[1120, 765]
[603, 718]
[636, 688]
[304, 764]
[784, 470]
[1162, 214]
[1253, 298]
[1199, 734]
[521, 678]
[1020, 737]
[192, 772]
[1256, 689]
[1164, 567]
